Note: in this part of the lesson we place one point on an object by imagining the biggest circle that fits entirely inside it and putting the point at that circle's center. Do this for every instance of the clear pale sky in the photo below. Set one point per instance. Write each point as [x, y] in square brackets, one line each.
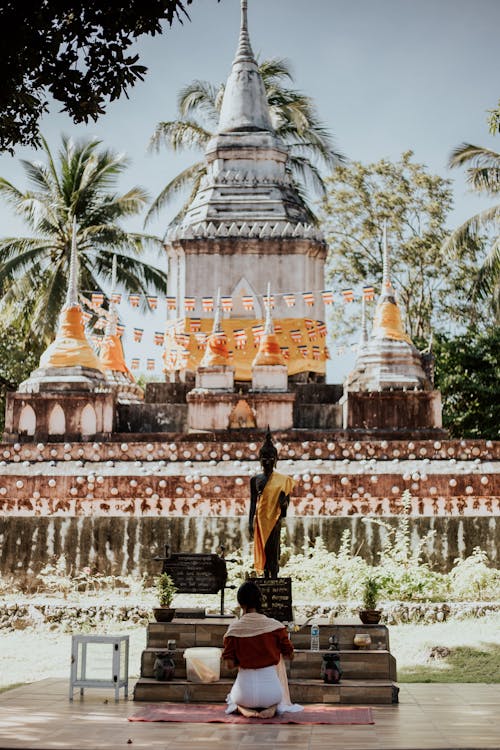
[386, 75]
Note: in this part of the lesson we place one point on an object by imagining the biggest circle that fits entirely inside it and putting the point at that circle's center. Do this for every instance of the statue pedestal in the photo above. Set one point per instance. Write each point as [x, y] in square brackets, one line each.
[392, 410]
[270, 378]
[212, 410]
[215, 377]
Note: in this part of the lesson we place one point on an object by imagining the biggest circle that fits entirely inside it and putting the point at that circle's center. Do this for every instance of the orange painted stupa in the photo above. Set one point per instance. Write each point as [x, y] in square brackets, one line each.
[216, 352]
[387, 359]
[115, 369]
[269, 351]
[387, 322]
[69, 362]
[70, 348]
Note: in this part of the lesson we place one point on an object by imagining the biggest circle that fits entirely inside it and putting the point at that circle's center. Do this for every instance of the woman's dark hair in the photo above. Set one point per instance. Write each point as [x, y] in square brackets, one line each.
[249, 596]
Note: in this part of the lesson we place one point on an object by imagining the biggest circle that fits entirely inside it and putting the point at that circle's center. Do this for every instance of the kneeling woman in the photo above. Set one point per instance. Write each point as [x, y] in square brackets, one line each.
[257, 644]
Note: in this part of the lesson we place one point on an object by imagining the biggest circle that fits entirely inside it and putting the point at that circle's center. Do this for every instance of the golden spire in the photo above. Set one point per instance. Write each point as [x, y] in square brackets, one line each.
[269, 352]
[71, 347]
[216, 352]
[387, 322]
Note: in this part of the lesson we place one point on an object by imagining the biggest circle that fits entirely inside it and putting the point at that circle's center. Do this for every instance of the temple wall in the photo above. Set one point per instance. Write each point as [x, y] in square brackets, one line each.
[259, 261]
[114, 504]
[122, 545]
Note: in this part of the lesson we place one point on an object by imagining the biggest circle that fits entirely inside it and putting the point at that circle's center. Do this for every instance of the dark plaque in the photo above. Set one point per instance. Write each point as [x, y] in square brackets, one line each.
[276, 597]
[196, 573]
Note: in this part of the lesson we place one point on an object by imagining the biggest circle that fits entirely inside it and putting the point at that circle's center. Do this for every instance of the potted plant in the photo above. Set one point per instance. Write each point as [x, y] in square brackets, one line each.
[370, 615]
[166, 590]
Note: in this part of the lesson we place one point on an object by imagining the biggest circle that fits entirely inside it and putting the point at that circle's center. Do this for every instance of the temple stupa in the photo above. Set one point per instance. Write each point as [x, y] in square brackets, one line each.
[388, 387]
[67, 395]
[246, 224]
[387, 358]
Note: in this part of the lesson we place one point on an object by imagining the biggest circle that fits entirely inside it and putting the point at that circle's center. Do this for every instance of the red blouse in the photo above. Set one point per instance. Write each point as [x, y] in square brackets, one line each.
[259, 650]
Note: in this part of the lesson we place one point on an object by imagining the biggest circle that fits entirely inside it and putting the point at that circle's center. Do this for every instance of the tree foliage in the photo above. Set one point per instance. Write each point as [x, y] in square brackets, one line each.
[76, 52]
[483, 175]
[80, 184]
[415, 204]
[467, 374]
[18, 358]
[294, 118]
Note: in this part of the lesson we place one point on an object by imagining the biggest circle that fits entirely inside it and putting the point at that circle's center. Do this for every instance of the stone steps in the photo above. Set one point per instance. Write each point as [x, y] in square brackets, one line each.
[357, 665]
[369, 674]
[210, 632]
[301, 691]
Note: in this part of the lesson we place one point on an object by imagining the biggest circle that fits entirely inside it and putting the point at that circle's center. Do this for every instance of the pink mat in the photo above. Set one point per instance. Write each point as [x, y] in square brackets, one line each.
[207, 713]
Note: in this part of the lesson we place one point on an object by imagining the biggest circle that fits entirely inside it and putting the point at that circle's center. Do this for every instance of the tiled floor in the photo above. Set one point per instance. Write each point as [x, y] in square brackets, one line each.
[428, 716]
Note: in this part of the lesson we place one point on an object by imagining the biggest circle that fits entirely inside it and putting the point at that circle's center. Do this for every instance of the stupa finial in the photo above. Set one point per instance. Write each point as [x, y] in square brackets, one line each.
[72, 292]
[386, 266]
[113, 313]
[244, 51]
[217, 328]
[364, 328]
[268, 326]
[244, 104]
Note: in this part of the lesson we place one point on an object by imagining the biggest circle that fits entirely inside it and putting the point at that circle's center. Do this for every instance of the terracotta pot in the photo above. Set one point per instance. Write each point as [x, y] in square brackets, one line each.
[370, 616]
[164, 614]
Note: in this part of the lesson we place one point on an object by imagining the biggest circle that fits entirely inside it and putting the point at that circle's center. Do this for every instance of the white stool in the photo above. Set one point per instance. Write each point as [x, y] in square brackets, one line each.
[119, 663]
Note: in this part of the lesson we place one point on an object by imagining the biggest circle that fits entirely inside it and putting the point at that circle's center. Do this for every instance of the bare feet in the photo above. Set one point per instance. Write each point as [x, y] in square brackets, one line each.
[268, 713]
[253, 713]
[250, 713]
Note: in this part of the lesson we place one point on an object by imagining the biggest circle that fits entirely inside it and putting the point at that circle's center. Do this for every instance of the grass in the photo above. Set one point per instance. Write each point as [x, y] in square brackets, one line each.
[474, 646]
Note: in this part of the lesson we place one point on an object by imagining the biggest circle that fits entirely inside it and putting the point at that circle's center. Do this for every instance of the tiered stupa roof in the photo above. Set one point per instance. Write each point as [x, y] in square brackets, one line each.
[387, 359]
[247, 191]
[70, 362]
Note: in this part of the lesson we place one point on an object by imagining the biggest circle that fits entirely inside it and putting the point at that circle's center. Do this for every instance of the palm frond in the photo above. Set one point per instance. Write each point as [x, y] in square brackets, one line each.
[190, 176]
[468, 232]
[200, 97]
[484, 172]
[179, 134]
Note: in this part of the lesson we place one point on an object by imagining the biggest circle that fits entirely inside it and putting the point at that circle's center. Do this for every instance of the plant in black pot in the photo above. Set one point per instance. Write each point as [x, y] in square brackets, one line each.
[165, 590]
[370, 615]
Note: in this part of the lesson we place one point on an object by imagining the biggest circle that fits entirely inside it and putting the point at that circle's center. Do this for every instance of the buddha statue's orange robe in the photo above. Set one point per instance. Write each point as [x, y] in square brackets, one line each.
[268, 514]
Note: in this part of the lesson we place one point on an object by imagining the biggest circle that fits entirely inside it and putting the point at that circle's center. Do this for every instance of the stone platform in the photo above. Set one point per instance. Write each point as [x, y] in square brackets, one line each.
[369, 674]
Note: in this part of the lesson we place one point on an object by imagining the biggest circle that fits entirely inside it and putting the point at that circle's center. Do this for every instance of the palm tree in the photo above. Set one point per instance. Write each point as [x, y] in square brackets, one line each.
[483, 175]
[293, 115]
[81, 185]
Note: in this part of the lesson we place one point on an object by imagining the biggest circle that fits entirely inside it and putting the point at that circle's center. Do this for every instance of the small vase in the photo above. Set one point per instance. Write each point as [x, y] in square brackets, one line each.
[370, 616]
[164, 614]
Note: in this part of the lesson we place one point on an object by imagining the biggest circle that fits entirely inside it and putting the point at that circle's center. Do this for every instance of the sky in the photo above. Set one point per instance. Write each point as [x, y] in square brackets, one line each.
[386, 76]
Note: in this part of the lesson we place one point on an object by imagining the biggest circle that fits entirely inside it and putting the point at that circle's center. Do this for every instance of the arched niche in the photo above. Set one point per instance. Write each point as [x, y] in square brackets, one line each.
[88, 420]
[57, 421]
[242, 289]
[27, 420]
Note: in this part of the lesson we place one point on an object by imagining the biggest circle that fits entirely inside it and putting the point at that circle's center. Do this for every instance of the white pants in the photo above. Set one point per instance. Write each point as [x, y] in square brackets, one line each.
[255, 688]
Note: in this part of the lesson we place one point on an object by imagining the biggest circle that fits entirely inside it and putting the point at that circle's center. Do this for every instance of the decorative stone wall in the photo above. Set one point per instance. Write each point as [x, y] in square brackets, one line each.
[115, 504]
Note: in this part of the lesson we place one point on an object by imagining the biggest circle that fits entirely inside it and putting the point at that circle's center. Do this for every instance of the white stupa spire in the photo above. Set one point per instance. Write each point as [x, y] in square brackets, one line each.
[244, 106]
[268, 327]
[363, 340]
[72, 292]
[113, 312]
[244, 51]
[386, 265]
[217, 328]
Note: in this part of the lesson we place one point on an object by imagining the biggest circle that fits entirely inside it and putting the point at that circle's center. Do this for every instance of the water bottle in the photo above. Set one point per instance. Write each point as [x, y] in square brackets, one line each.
[314, 637]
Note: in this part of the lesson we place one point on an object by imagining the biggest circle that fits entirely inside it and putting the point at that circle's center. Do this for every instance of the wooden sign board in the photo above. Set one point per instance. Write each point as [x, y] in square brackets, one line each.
[195, 573]
[276, 597]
